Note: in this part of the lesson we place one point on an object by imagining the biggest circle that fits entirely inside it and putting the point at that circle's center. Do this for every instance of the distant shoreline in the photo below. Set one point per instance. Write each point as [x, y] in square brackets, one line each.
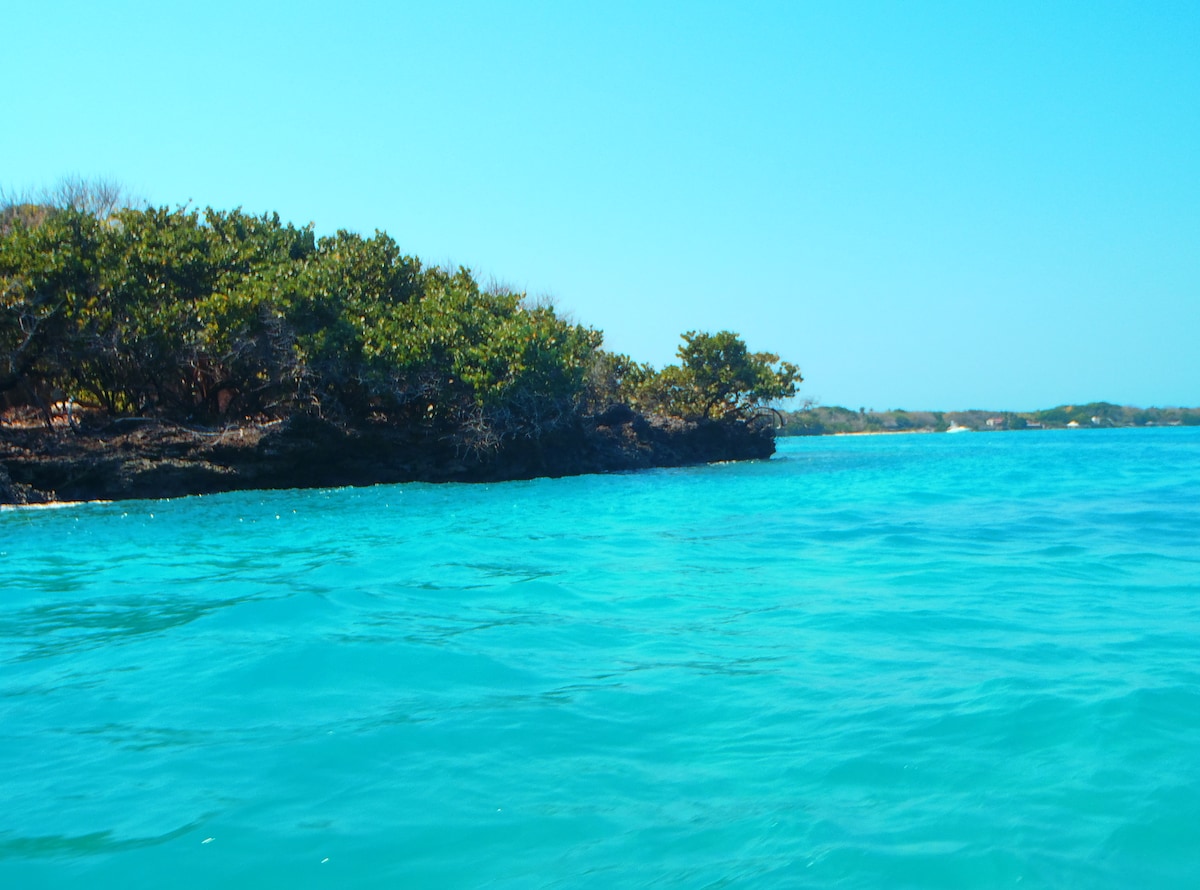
[876, 433]
[924, 432]
[826, 420]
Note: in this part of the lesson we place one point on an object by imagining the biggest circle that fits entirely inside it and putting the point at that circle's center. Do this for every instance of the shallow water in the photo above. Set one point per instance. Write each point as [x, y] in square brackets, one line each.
[904, 661]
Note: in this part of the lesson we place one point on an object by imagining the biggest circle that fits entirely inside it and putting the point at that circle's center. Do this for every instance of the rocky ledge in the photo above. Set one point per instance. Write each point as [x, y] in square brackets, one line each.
[138, 458]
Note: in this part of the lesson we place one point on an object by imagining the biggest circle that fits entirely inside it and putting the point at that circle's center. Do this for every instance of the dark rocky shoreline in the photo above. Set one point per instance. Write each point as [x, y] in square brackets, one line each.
[137, 458]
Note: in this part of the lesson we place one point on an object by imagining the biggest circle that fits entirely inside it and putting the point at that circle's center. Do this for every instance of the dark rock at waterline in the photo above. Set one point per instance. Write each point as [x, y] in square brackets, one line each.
[135, 458]
[16, 492]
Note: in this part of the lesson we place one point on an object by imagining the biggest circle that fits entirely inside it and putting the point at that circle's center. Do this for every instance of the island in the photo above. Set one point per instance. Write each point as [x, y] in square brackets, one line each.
[158, 352]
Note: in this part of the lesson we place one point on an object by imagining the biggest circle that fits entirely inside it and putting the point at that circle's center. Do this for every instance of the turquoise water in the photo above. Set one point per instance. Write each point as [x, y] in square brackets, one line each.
[903, 661]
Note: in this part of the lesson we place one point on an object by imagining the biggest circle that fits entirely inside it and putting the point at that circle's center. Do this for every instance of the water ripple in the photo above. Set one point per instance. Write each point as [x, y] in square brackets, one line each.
[877, 662]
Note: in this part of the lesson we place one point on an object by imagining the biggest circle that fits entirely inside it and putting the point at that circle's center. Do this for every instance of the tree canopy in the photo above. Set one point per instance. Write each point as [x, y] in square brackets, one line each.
[205, 315]
[719, 378]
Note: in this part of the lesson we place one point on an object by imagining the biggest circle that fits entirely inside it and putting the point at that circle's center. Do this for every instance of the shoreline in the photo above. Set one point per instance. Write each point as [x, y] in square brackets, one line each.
[870, 433]
[155, 459]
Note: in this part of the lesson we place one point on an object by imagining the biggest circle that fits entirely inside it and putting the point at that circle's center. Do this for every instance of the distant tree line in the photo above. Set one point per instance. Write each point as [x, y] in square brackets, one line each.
[815, 420]
[208, 316]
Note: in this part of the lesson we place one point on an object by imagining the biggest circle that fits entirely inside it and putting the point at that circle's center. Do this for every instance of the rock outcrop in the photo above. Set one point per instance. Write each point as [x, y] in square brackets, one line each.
[135, 458]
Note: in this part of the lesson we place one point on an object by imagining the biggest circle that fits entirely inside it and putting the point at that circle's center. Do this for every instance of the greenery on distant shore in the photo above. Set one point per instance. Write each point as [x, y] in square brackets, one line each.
[214, 316]
[816, 420]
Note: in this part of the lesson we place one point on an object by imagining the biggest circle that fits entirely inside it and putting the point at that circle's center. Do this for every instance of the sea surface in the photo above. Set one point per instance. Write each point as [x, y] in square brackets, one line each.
[893, 661]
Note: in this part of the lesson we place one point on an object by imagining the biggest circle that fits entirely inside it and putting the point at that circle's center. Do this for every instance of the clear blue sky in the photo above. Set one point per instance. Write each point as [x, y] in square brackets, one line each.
[924, 205]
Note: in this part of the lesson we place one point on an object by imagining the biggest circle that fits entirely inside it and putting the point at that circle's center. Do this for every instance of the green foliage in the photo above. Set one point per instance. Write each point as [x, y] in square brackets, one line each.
[48, 289]
[615, 379]
[719, 378]
[1106, 412]
[201, 315]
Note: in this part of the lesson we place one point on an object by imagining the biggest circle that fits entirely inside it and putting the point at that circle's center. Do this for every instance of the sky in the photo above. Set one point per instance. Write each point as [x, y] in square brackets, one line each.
[923, 205]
